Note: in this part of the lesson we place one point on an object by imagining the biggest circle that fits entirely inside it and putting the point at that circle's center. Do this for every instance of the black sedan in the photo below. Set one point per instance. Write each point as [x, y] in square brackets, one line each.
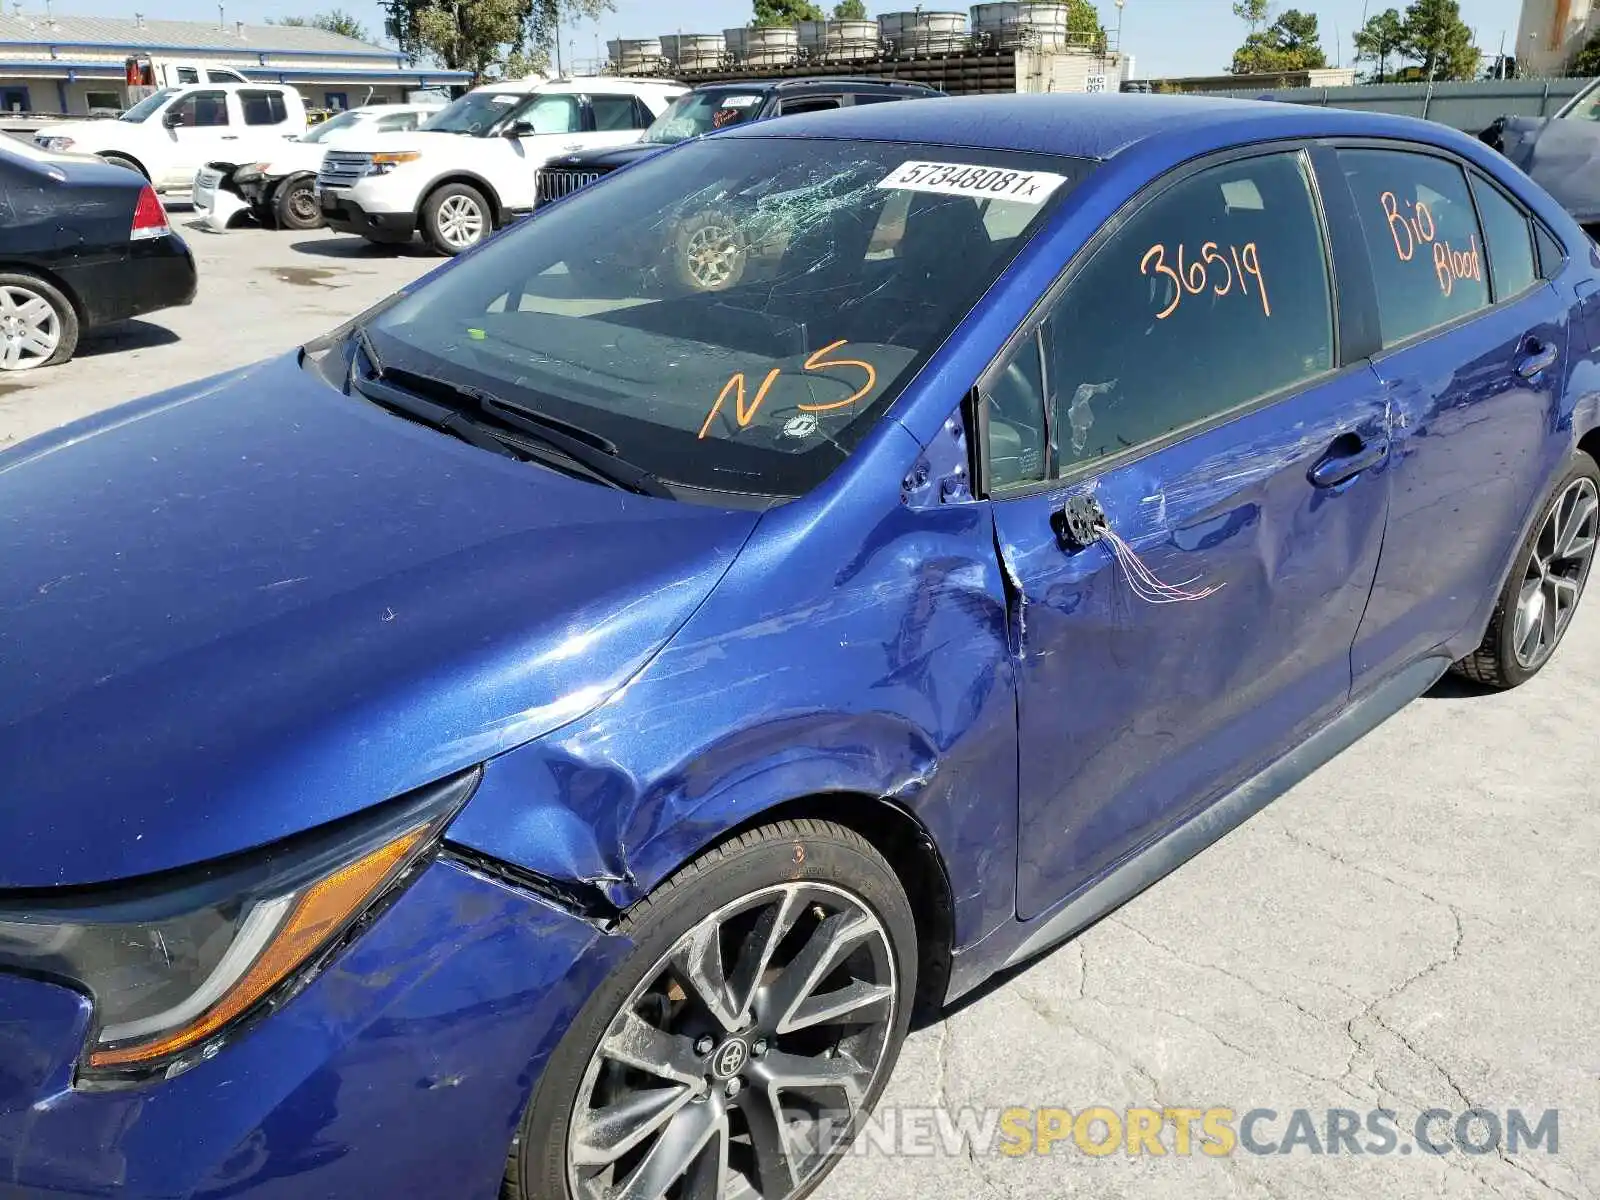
[82, 244]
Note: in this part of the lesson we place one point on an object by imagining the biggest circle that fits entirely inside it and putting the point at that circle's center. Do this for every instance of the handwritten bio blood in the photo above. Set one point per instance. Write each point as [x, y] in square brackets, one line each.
[1192, 278]
[1418, 228]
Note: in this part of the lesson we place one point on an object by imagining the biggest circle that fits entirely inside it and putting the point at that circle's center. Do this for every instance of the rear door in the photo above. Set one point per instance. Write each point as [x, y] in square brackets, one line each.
[1474, 343]
[1195, 389]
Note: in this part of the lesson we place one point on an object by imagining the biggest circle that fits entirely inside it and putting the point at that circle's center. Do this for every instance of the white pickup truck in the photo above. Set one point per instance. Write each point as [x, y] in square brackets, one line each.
[475, 165]
[170, 134]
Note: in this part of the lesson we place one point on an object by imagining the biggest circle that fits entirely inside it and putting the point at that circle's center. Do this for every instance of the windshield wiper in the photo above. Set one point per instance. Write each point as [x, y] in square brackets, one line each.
[576, 449]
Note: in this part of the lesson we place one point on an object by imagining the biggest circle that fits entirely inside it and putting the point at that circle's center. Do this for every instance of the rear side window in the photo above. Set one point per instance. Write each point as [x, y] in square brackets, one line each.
[1422, 239]
[613, 114]
[1212, 295]
[807, 104]
[1508, 236]
[263, 107]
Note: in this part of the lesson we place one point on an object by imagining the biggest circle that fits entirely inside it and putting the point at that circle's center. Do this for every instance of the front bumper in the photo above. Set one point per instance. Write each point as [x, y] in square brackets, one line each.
[401, 1070]
[340, 211]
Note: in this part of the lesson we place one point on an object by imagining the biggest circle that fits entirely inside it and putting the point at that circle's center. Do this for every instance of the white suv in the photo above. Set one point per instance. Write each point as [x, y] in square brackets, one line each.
[474, 166]
[169, 134]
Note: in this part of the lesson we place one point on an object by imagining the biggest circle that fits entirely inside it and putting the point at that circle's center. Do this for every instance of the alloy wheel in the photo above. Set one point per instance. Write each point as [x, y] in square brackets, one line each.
[1557, 570]
[742, 1064]
[30, 329]
[460, 221]
[712, 256]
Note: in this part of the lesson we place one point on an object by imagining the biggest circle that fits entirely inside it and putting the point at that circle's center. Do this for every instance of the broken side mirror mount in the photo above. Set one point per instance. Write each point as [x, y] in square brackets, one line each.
[1079, 523]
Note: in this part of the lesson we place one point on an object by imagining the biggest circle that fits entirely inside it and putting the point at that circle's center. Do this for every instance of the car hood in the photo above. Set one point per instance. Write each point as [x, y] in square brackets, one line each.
[100, 132]
[1562, 156]
[235, 611]
[615, 156]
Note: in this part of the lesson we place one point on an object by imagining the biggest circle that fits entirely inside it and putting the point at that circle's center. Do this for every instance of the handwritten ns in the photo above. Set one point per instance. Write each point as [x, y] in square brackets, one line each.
[818, 361]
[1192, 278]
[1419, 229]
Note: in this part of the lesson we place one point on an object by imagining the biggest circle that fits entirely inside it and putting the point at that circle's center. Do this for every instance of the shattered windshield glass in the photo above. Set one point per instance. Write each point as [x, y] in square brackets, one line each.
[734, 315]
[703, 112]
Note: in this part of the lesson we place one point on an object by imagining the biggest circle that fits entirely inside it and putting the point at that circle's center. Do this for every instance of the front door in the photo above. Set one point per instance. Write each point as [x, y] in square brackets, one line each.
[1193, 390]
[205, 129]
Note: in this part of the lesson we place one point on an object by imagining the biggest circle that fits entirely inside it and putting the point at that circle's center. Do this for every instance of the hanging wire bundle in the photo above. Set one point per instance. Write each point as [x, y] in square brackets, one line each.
[1143, 580]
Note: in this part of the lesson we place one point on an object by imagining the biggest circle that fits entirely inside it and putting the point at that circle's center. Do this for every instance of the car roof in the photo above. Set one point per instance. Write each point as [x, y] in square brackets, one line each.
[1092, 126]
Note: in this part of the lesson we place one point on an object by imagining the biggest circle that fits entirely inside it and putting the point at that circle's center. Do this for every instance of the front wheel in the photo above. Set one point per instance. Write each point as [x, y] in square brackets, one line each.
[38, 325]
[456, 218]
[738, 1049]
[1541, 594]
[295, 206]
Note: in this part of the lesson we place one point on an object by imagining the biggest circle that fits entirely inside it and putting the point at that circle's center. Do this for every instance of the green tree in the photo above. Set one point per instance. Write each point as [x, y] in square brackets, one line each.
[1383, 36]
[334, 21]
[770, 13]
[1083, 24]
[1440, 40]
[486, 37]
[1586, 62]
[1290, 43]
[850, 10]
[1253, 13]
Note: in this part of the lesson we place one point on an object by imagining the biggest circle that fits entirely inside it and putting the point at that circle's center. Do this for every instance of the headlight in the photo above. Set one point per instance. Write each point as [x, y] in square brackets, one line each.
[53, 144]
[176, 962]
[382, 164]
[253, 171]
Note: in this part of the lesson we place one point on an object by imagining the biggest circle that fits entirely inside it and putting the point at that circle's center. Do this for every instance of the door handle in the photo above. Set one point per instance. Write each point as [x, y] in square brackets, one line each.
[1349, 455]
[1537, 357]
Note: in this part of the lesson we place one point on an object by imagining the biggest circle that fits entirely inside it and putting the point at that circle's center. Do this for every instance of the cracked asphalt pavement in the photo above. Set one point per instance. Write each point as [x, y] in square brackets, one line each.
[1411, 928]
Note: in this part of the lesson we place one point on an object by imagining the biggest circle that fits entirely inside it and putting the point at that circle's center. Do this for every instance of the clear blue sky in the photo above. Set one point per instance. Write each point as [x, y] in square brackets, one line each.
[1168, 37]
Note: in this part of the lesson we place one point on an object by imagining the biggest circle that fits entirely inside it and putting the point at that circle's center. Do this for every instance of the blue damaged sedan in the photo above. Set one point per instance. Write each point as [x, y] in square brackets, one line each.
[550, 733]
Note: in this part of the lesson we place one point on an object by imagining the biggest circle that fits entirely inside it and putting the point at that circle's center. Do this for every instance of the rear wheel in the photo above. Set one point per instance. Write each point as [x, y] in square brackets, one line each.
[38, 325]
[295, 205]
[736, 1052]
[456, 218]
[1541, 594]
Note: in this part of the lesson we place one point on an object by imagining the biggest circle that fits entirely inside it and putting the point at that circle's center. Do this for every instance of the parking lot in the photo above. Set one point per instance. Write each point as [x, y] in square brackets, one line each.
[1412, 928]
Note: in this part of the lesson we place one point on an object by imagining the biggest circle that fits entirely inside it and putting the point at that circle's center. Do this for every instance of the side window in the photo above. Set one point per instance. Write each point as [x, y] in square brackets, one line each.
[1422, 239]
[1551, 255]
[1213, 294]
[263, 107]
[225, 77]
[1508, 236]
[805, 104]
[188, 75]
[613, 114]
[876, 97]
[400, 121]
[552, 114]
[201, 110]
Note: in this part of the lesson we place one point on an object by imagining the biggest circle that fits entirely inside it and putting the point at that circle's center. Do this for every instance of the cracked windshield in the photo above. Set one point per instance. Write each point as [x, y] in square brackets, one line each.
[736, 314]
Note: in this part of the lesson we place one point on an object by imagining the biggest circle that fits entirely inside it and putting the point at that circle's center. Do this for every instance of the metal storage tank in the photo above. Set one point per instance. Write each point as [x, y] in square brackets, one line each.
[924, 32]
[635, 54]
[811, 35]
[693, 51]
[1009, 26]
[776, 46]
[844, 41]
[736, 41]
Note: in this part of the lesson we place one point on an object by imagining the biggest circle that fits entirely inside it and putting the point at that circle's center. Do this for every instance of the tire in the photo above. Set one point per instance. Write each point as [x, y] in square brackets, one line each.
[56, 330]
[804, 868]
[1541, 594]
[294, 205]
[708, 254]
[122, 160]
[456, 217]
